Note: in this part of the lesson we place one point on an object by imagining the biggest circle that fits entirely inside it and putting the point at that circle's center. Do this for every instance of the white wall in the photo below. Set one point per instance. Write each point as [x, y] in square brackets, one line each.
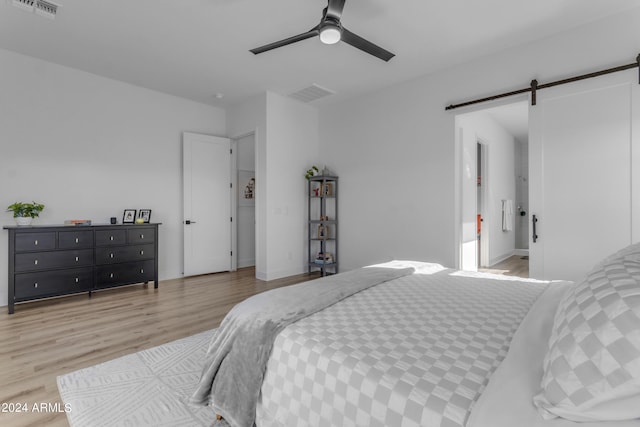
[395, 152]
[89, 147]
[286, 138]
[291, 147]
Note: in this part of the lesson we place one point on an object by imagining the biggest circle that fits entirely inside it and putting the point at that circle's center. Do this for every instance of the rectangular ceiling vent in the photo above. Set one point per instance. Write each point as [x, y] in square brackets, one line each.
[43, 8]
[24, 4]
[311, 93]
[46, 9]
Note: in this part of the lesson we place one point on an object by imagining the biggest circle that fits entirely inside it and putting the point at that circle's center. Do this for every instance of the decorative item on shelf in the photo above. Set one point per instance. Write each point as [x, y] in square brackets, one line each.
[324, 258]
[316, 192]
[313, 171]
[25, 212]
[77, 222]
[327, 172]
[323, 231]
[129, 216]
[144, 216]
[246, 188]
[328, 189]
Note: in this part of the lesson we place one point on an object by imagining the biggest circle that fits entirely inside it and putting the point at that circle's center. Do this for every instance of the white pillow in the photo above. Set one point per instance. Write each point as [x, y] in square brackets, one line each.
[592, 367]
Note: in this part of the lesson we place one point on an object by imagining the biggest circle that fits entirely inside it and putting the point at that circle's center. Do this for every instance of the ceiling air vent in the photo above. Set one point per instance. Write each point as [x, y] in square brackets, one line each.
[46, 9]
[311, 93]
[24, 4]
[40, 7]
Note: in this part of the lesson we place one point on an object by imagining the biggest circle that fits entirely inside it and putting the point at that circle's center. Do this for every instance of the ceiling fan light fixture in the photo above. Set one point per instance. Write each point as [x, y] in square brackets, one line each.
[330, 33]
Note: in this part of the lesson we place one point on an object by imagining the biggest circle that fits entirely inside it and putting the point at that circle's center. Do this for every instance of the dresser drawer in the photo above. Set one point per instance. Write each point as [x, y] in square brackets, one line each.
[32, 261]
[141, 235]
[111, 237]
[30, 285]
[112, 255]
[75, 239]
[123, 273]
[35, 241]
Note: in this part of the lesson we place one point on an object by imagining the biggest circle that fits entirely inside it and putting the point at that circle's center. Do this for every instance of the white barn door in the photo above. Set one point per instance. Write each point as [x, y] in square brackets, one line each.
[207, 203]
[581, 157]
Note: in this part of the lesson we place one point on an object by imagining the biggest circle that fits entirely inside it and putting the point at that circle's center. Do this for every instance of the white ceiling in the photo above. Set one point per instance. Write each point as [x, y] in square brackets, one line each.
[198, 48]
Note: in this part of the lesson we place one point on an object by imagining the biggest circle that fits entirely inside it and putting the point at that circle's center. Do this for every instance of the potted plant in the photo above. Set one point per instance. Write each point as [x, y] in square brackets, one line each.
[312, 172]
[25, 212]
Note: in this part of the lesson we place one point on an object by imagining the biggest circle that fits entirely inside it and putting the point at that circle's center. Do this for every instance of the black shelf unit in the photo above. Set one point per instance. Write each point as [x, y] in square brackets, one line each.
[322, 224]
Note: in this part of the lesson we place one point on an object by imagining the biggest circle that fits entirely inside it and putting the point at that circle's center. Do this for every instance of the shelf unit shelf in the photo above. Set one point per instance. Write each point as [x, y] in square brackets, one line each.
[322, 224]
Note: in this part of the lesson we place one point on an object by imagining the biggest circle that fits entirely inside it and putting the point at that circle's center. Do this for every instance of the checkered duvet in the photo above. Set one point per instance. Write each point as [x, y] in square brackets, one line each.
[416, 351]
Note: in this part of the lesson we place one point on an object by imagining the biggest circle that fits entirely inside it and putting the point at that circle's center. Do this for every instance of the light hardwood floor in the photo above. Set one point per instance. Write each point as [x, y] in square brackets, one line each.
[513, 266]
[45, 339]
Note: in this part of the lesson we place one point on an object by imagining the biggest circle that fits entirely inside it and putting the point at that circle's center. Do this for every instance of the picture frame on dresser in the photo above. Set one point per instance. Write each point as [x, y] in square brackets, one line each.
[129, 216]
[145, 214]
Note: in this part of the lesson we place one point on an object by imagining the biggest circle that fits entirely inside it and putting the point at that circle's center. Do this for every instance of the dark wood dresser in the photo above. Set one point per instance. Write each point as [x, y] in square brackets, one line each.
[48, 261]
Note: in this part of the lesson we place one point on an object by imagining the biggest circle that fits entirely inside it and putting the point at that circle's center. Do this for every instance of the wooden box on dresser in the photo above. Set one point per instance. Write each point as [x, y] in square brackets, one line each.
[49, 261]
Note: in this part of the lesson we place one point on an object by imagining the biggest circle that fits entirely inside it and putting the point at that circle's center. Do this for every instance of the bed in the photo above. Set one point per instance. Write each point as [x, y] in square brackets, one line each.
[423, 345]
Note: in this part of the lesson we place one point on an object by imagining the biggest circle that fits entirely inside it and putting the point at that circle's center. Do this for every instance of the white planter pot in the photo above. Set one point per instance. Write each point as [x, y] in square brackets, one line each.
[23, 220]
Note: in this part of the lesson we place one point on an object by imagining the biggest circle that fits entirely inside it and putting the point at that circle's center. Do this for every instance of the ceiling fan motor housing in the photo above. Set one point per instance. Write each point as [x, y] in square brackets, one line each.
[330, 30]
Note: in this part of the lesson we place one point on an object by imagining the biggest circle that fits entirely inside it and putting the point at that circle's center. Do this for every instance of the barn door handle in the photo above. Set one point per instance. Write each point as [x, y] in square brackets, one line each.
[534, 220]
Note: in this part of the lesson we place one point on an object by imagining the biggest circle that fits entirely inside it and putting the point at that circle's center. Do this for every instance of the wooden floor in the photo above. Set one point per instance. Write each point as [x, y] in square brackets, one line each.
[45, 339]
[513, 266]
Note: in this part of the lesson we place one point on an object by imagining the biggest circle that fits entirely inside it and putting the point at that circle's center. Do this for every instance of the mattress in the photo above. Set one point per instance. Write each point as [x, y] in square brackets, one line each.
[415, 351]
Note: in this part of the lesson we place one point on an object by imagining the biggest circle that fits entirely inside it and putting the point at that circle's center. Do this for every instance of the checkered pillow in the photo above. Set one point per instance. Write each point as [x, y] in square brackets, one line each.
[592, 367]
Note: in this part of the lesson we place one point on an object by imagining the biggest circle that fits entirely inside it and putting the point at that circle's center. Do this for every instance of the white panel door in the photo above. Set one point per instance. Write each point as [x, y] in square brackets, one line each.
[207, 203]
[580, 145]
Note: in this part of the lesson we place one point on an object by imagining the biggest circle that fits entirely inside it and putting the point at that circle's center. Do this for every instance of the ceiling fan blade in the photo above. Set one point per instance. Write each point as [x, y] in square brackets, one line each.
[334, 9]
[365, 45]
[311, 33]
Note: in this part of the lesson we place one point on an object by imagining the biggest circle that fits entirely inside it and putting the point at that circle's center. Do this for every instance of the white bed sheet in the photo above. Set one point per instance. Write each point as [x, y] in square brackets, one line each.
[507, 399]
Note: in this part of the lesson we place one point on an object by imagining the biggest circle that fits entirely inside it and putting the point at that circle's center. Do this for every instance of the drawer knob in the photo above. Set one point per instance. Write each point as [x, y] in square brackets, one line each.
[141, 236]
[35, 285]
[77, 240]
[141, 252]
[142, 270]
[111, 255]
[77, 259]
[77, 280]
[35, 261]
[111, 276]
[35, 243]
[111, 238]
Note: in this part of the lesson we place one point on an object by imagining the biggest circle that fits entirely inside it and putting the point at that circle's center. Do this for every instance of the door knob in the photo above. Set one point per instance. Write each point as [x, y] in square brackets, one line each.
[189, 222]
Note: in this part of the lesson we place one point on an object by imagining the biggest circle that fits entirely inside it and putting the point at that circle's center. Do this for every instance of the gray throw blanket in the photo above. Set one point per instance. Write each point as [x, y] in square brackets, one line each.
[238, 353]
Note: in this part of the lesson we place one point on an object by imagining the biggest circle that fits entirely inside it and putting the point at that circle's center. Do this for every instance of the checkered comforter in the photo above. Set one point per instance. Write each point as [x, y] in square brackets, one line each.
[416, 351]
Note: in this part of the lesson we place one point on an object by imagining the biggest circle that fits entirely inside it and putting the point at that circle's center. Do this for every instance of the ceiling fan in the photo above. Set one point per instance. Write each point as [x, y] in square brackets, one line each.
[331, 31]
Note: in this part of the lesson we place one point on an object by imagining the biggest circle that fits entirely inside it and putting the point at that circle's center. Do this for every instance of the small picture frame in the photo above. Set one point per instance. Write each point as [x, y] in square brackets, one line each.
[129, 216]
[323, 231]
[145, 215]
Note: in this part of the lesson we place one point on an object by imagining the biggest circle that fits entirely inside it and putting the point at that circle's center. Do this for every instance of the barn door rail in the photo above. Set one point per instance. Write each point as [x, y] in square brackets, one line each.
[535, 86]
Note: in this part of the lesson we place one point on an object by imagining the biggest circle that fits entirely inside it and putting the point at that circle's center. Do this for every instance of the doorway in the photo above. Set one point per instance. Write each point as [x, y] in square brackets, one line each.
[494, 197]
[245, 229]
[482, 189]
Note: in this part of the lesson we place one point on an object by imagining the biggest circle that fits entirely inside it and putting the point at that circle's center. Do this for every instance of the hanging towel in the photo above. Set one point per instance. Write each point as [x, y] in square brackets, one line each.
[507, 215]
